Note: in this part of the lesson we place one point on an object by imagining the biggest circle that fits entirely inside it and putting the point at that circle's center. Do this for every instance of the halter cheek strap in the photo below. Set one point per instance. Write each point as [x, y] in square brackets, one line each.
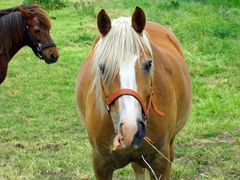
[40, 47]
[109, 100]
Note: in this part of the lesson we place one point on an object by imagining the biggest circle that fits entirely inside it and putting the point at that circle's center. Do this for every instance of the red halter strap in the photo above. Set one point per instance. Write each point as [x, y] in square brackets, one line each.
[109, 100]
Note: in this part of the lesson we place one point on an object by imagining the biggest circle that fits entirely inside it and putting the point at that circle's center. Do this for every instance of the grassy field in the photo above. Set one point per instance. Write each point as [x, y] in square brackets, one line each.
[41, 136]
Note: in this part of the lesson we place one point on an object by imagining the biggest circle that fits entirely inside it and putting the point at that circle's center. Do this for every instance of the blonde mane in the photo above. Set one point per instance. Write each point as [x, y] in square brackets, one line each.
[121, 43]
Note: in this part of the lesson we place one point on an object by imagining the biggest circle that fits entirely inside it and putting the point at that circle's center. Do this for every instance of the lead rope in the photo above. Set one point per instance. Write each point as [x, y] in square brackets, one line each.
[149, 141]
[154, 174]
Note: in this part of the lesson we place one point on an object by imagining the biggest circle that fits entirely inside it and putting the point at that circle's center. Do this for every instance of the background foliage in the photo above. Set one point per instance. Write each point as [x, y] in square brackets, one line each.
[40, 132]
[49, 4]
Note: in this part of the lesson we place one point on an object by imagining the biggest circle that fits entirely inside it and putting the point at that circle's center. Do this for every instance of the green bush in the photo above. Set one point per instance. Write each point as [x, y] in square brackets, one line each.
[85, 8]
[48, 4]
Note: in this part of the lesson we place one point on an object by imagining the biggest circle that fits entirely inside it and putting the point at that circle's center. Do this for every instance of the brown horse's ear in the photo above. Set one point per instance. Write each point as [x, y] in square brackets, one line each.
[138, 20]
[25, 13]
[103, 22]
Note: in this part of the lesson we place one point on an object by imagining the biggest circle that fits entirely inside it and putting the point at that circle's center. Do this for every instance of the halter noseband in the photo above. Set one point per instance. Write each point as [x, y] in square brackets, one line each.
[146, 108]
[39, 47]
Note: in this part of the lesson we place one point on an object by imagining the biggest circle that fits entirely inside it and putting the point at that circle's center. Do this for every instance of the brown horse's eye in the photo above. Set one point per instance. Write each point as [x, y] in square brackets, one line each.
[37, 30]
[147, 66]
[102, 68]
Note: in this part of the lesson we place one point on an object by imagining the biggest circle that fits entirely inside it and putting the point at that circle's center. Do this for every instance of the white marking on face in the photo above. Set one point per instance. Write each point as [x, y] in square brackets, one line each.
[129, 107]
[39, 45]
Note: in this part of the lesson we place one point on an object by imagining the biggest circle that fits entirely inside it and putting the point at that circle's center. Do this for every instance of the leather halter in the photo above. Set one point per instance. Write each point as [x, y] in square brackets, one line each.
[39, 47]
[146, 108]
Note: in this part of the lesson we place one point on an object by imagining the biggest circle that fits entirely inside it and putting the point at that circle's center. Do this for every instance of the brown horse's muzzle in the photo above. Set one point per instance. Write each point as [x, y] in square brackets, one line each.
[50, 55]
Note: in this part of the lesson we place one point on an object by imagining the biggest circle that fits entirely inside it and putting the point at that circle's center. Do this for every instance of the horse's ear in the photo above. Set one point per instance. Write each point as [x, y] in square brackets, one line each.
[103, 22]
[138, 20]
[25, 13]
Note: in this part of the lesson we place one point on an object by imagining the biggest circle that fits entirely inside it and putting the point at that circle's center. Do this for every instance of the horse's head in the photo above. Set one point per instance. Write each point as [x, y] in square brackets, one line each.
[37, 33]
[125, 66]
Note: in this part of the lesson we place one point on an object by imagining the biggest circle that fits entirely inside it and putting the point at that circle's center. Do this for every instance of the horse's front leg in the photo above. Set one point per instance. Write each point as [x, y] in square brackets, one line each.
[102, 168]
[139, 171]
[161, 166]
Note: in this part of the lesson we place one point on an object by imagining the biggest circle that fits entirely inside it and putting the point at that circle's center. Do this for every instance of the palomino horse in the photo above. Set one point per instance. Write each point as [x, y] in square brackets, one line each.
[25, 25]
[133, 86]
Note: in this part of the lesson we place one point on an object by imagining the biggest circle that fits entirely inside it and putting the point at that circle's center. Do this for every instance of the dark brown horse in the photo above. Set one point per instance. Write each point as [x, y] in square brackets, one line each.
[134, 85]
[25, 25]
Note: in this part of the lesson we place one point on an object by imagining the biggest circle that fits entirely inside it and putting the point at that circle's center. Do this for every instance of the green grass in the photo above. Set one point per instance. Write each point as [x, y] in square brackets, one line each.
[41, 136]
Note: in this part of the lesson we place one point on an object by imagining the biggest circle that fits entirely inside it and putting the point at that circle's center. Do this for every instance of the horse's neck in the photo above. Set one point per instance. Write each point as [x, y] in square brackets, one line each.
[12, 45]
[5, 58]
[14, 49]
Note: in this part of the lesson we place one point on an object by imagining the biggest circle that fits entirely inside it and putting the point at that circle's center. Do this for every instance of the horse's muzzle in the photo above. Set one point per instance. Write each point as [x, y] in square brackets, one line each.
[129, 137]
[51, 59]
[50, 55]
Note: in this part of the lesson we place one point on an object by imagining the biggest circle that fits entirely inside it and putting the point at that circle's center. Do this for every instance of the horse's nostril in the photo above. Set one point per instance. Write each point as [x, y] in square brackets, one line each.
[121, 128]
[141, 126]
[52, 56]
[139, 135]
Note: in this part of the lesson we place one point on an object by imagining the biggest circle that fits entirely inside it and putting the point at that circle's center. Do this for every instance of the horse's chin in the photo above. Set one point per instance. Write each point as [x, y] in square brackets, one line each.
[49, 61]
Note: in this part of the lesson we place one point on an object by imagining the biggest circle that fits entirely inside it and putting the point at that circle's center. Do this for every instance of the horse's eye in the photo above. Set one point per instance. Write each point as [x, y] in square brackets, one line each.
[37, 30]
[147, 66]
[102, 68]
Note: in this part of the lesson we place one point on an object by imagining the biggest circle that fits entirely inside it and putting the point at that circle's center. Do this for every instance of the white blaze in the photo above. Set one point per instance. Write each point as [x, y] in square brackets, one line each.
[129, 107]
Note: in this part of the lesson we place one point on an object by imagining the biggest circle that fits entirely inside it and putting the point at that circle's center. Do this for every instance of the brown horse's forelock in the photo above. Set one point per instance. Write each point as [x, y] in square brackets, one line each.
[12, 24]
[39, 13]
[11, 31]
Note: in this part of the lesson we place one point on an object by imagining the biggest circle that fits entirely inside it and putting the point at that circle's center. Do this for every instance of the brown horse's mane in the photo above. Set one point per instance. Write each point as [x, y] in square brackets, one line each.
[6, 11]
[12, 24]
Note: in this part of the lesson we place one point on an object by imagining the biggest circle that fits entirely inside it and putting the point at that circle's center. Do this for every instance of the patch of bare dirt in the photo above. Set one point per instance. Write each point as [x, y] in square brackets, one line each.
[53, 146]
[52, 172]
